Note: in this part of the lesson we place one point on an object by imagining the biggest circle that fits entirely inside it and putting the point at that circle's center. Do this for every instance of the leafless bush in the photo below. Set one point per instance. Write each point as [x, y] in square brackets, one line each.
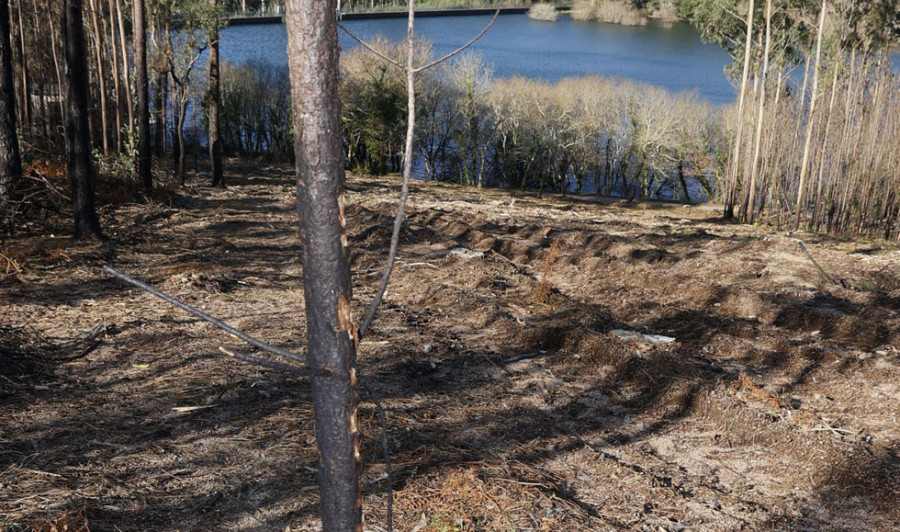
[545, 12]
[583, 10]
[619, 12]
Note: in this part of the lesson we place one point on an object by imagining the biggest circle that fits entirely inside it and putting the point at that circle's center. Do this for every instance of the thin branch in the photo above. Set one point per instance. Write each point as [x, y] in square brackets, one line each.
[461, 48]
[407, 170]
[205, 317]
[426, 66]
[370, 48]
[286, 368]
[810, 257]
[411, 71]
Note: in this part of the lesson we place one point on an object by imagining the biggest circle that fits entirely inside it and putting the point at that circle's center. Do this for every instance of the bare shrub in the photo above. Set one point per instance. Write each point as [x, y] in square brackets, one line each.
[583, 10]
[545, 12]
[619, 12]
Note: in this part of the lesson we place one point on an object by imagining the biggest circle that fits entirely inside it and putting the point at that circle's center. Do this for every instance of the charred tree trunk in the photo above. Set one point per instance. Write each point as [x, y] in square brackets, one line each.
[331, 336]
[215, 140]
[10, 159]
[141, 86]
[79, 149]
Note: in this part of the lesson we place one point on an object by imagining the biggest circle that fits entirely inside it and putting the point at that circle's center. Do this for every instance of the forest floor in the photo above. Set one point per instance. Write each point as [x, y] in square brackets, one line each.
[545, 364]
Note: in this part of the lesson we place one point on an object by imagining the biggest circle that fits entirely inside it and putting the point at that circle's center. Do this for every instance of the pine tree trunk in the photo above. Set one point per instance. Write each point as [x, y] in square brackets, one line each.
[10, 159]
[331, 335]
[142, 87]
[215, 141]
[79, 149]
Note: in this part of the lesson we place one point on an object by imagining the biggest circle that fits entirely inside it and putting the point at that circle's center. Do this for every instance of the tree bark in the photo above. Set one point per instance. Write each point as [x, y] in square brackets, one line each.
[215, 140]
[77, 139]
[331, 334]
[10, 159]
[142, 87]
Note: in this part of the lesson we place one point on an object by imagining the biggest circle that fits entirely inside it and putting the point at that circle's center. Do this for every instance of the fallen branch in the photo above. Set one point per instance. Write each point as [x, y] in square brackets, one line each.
[286, 368]
[526, 356]
[810, 257]
[322, 372]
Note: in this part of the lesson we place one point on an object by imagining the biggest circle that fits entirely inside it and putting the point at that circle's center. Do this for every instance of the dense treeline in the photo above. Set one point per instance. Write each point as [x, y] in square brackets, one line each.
[586, 134]
[813, 135]
[811, 141]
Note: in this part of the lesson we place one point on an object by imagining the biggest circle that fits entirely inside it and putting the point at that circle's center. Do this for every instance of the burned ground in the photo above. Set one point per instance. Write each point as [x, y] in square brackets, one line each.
[524, 355]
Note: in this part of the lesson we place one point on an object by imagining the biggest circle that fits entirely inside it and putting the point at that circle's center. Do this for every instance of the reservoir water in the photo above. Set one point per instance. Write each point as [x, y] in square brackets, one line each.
[667, 55]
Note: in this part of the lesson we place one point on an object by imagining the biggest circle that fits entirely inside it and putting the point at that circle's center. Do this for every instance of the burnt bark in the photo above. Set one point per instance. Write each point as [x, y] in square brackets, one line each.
[141, 85]
[10, 159]
[215, 140]
[331, 334]
[78, 144]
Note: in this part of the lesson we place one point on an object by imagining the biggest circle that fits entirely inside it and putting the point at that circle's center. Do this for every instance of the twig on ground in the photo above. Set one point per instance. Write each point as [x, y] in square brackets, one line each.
[525, 356]
[810, 257]
[205, 317]
[321, 372]
[286, 368]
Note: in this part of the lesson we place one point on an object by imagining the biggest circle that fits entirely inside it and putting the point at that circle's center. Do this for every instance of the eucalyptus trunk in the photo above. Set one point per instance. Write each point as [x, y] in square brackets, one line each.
[101, 78]
[804, 164]
[750, 211]
[731, 192]
[127, 81]
[141, 85]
